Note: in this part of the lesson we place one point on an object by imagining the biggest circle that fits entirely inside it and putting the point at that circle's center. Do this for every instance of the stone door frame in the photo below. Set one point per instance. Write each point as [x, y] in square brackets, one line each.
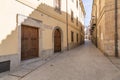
[55, 28]
[29, 22]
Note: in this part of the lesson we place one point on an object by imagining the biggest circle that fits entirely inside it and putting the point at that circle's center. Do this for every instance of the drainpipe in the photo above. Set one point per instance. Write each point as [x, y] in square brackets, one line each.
[116, 31]
[67, 23]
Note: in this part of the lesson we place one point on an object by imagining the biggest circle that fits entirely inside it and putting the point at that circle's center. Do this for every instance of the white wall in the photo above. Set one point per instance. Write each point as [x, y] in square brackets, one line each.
[77, 11]
[9, 9]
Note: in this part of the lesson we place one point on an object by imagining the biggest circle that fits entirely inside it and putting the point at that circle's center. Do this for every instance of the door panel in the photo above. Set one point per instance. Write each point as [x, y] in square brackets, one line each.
[29, 42]
[57, 41]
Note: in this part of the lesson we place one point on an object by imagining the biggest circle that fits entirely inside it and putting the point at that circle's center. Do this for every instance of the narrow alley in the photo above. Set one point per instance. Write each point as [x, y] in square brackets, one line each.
[83, 63]
[60, 40]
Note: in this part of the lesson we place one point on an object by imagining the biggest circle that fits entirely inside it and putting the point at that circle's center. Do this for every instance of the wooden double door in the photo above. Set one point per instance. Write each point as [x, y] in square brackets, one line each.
[29, 42]
[57, 41]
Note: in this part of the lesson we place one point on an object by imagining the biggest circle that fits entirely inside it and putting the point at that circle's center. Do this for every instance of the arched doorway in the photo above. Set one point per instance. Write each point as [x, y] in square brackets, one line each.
[57, 41]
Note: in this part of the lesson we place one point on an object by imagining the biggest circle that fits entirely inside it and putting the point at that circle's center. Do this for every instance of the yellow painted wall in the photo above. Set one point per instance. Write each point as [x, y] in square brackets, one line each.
[41, 10]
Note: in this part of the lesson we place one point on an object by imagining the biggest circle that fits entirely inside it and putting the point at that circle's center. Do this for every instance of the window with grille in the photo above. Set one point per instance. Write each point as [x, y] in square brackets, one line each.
[77, 3]
[99, 5]
[72, 36]
[77, 37]
[72, 16]
[77, 21]
[58, 5]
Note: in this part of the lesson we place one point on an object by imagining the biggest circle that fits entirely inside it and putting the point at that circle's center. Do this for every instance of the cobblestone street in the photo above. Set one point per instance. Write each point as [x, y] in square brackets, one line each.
[83, 63]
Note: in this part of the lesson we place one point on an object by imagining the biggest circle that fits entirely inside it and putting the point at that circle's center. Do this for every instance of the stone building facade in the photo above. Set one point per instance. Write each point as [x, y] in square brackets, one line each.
[105, 26]
[39, 28]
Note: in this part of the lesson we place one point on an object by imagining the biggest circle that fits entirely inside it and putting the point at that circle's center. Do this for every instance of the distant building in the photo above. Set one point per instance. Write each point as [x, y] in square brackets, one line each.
[87, 32]
[105, 23]
[39, 28]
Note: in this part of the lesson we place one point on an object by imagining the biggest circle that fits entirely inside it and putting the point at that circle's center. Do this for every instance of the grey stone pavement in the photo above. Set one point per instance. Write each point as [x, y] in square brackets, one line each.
[82, 63]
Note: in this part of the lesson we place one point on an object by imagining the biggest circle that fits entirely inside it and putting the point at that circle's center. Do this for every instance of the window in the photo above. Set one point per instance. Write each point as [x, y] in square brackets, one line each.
[77, 37]
[58, 5]
[77, 3]
[99, 5]
[77, 21]
[72, 36]
[72, 16]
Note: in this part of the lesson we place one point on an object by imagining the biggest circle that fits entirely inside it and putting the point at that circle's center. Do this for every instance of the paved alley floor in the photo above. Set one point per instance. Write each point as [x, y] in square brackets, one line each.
[83, 63]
